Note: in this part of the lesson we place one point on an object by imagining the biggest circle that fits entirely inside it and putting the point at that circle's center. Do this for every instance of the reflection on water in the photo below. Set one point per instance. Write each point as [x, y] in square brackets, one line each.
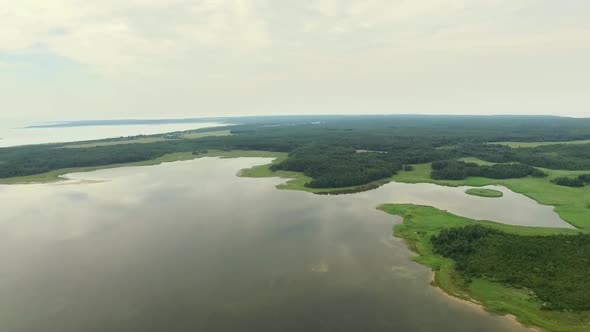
[189, 246]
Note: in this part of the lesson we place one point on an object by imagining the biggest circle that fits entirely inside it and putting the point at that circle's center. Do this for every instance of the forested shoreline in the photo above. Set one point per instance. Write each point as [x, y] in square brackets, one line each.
[344, 152]
[537, 274]
[554, 268]
[326, 148]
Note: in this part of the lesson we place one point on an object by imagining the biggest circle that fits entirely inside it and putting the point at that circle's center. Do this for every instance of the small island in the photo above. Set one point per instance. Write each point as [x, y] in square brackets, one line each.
[482, 192]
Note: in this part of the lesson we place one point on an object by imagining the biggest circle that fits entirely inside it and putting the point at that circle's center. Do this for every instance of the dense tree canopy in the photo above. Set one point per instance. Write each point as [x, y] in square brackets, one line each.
[459, 170]
[559, 156]
[555, 268]
[585, 178]
[339, 167]
[569, 182]
[347, 150]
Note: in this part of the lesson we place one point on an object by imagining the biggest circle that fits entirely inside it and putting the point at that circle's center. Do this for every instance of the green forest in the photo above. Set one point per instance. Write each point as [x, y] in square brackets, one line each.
[579, 181]
[555, 268]
[459, 170]
[339, 167]
[341, 151]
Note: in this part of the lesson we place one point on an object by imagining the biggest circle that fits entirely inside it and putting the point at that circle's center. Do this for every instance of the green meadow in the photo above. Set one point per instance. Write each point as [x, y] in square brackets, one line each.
[572, 204]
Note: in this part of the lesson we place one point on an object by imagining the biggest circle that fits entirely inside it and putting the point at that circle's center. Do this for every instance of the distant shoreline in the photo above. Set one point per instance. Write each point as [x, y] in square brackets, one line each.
[124, 122]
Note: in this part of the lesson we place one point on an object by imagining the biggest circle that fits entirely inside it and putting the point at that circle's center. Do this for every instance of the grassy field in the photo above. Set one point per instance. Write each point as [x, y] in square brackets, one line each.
[572, 204]
[422, 222]
[482, 192]
[477, 161]
[534, 144]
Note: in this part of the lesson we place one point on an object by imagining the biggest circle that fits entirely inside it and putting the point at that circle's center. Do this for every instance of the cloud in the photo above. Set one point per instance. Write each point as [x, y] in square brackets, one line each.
[303, 56]
[150, 36]
[128, 36]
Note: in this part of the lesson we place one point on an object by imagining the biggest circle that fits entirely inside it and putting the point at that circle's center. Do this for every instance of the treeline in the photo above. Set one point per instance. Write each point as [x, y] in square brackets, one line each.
[331, 167]
[37, 159]
[324, 147]
[41, 159]
[560, 156]
[459, 170]
[555, 268]
[577, 182]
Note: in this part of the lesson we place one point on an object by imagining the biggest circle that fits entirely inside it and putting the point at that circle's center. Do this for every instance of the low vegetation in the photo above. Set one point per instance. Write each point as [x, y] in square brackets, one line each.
[483, 192]
[504, 296]
[200, 134]
[572, 204]
[554, 268]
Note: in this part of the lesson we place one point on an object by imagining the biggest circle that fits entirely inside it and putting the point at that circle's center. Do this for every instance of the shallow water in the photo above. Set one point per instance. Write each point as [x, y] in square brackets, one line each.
[188, 246]
[512, 208]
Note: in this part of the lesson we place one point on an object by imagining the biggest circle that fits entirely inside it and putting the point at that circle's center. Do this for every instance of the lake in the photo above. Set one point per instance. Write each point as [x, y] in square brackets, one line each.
[17, 133]
[189, 246]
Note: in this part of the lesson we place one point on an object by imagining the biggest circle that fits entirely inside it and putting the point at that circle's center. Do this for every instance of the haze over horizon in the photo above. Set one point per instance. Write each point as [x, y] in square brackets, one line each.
[162, 120]
[81, 60]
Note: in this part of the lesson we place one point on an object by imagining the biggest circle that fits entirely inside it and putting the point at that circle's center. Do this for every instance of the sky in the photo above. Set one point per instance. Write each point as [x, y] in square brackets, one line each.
[73, 60]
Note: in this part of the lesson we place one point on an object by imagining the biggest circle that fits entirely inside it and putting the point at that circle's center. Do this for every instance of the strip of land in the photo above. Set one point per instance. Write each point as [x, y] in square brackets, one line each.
[147, 139]
[421, 223]
[295, 180]
[572, 204]
[56, 175]
[483, 192]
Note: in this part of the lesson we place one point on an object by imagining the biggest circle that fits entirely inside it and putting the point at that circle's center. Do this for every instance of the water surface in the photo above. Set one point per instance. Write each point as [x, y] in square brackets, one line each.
[189, 246]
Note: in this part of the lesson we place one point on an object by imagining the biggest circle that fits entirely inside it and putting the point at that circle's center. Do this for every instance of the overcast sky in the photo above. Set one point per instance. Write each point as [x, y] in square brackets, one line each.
[71, 59]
